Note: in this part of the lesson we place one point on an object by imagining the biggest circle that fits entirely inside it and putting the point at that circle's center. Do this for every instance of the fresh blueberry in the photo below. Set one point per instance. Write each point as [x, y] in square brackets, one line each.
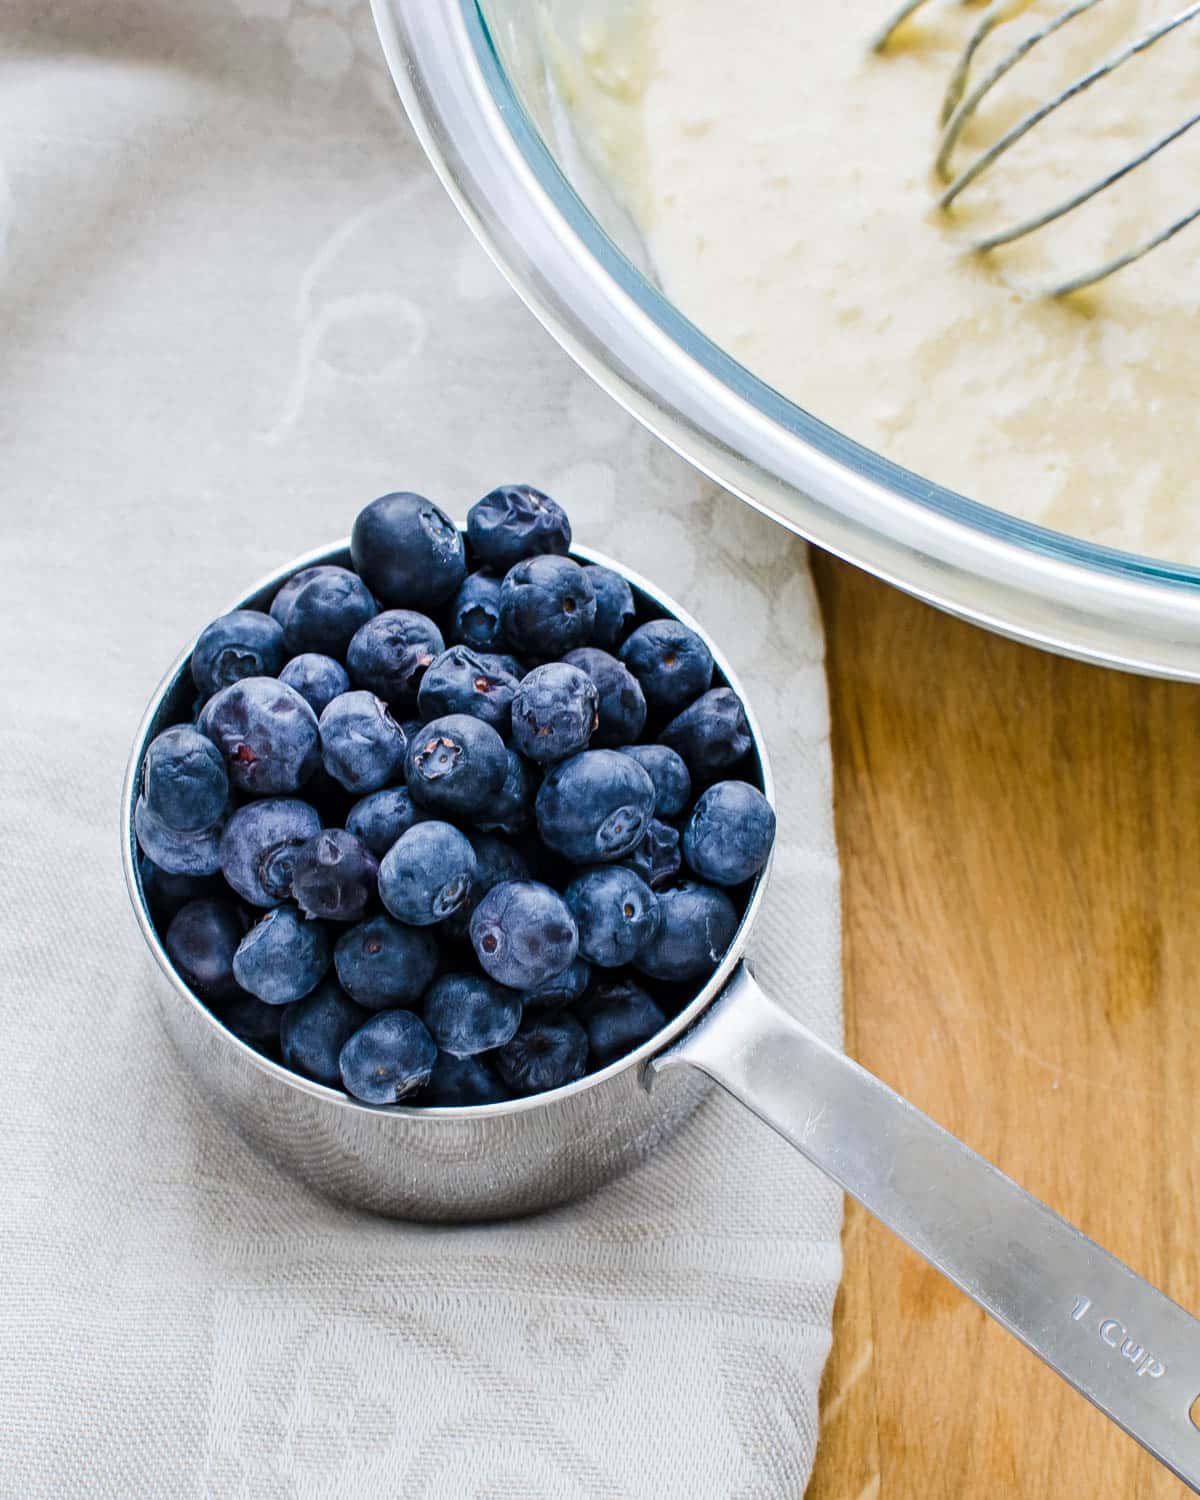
[456, 1082]
[165, 893]
[622, 708]
[460, 682]
[456, 765]
[282, 958]
[196, 852]
[711, 735]
[184, 780]
[467, 1014]
[388, 1057]
[318, 679]
[390, 653]
[696, 924]
[201, 940]
[670, 661]
[408, 551]
[251, 1019]
[618, 1017]
[564, 989]
[323, 610]
[516, 521]
[547, 1052]
[334, 875]
[381, 818]
[616, 913]
[362, 746]
[382, 964]
[245, 643]
[260, 844]
[282, 602]
[313, 1031]
[475, 613]
[267, 734]
[554, 712]
[523, 934]
[496, 860]
[427, 873]
[510, 809]
[730, 833]
[595, 806]
[547, 606]
[672, 784]
[656, 858]
[615, 609]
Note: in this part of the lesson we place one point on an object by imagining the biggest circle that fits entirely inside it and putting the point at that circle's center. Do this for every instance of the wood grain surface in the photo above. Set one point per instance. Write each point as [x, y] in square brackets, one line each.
[1020, 840]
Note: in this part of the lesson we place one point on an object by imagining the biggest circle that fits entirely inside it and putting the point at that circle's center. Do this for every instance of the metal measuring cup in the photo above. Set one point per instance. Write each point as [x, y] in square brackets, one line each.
[1110, 1334]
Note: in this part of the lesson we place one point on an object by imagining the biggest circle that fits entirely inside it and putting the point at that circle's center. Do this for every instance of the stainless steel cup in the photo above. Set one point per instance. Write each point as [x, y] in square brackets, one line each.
[1124, 1345]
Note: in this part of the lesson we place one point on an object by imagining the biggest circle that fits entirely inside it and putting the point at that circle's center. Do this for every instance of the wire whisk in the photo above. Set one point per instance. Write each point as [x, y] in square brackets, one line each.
[962, 101]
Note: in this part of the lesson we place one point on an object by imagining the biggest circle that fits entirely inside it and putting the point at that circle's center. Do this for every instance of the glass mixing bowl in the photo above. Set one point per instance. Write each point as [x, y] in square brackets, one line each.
[475, 82]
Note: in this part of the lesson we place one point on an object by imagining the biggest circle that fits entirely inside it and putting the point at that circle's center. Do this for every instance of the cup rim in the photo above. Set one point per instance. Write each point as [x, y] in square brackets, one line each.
[638, 1059]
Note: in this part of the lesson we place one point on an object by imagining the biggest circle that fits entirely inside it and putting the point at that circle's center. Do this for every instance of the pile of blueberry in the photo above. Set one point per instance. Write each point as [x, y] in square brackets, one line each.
[450, 836]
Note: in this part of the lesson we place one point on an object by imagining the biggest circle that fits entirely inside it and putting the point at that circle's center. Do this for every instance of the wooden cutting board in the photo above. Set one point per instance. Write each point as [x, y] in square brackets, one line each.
[1020, 840]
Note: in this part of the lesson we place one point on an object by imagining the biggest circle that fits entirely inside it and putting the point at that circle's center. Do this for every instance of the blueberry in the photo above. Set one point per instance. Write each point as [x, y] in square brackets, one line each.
[547, 1052]
[730, 833]
[427, 873]
[516, 521]
[456, 765]
[696, 924]
[408, 551]
[245, 643]
[259, 847]
[510, 808]
[381, 818]
[201, 941]
[184, 781]
[622, 708]
[362, 746]
[547, 606]
[616, 913]
[475, 613]
[711, 735]
[460, 682]
[250, 1019]
[267, 734]
[318, 679]
[196, 852]
[523, 934]
[334, 876]
[467, 1014]
[165, 893]
[496, 860]
[672, 784]
[323, 610]
[313, 1031]
[388, 1057]
[459, 1081]
[554, 712]
[282, 957]
[282, 602]
[615, 609]
[618, 1017]
[595, 806]
[390, 653]
[382, 964]
[656, 858]
[564, 989]
[670, 661]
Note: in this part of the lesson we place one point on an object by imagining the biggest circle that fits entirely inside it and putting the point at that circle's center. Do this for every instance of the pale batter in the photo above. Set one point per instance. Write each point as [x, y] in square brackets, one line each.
[781, 175]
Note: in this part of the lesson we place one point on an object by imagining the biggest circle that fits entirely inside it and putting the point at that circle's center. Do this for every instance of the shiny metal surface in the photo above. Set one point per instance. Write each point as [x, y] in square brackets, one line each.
[1129, 1349]
[472, 78]
[437, 1164]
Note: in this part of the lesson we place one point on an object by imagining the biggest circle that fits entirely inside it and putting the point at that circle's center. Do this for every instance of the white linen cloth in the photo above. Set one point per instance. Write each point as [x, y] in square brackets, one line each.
[234, 306]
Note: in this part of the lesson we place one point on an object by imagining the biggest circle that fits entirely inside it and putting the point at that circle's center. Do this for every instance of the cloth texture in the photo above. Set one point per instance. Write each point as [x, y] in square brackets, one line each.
[234, 306]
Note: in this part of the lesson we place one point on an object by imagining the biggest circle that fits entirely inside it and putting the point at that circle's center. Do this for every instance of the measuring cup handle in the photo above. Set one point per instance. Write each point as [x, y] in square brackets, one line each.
[1114, 1337]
